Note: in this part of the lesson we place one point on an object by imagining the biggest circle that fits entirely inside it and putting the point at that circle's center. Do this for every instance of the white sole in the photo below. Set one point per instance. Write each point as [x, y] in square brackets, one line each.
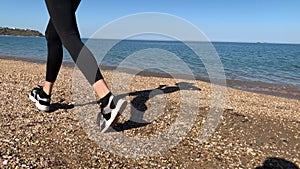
[32, 98]
[120, 107]
[42, 107]
[38, 105]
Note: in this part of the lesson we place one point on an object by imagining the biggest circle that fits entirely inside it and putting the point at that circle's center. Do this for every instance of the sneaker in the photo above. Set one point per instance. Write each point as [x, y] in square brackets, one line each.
[111, 112]
[41, 99]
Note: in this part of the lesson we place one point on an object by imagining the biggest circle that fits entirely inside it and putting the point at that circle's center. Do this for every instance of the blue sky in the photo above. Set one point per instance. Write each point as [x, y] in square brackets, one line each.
[220, 20]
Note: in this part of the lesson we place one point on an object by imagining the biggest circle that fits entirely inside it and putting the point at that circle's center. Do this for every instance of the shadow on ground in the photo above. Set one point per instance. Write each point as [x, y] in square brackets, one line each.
[58, 106]
[139, 103]
[277, 163]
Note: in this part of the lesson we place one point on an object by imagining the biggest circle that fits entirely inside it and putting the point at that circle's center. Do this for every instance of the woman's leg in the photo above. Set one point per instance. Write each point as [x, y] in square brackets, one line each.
[63, 19]
[55, 53]
[62, 14]
[54, 58]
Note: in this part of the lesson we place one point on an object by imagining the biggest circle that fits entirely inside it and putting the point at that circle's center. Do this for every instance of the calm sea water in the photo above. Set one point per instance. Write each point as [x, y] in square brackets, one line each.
[254, 63]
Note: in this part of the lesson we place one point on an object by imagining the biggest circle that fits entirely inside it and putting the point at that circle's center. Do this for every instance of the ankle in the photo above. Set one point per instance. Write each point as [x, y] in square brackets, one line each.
[46, 91]
[104, 101]
[101, 88]
[45, 94]
[47, 88]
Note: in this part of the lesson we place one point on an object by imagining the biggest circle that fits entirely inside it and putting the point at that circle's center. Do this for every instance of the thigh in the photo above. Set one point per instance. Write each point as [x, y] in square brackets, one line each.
[62, 14]
[75, 4]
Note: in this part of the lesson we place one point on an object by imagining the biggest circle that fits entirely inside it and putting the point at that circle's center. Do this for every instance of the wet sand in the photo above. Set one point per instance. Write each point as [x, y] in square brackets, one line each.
[256, 130]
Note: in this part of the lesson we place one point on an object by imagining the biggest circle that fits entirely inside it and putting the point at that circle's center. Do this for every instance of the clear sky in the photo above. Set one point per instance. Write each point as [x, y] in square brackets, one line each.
[220, 20]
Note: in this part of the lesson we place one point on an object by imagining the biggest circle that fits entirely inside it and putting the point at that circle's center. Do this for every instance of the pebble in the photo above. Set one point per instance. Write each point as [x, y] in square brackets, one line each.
[253, 128]
[5, 162]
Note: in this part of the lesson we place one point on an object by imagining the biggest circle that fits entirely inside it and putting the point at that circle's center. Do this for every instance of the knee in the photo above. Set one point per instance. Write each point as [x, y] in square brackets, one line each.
[70, 39]
[52, 36]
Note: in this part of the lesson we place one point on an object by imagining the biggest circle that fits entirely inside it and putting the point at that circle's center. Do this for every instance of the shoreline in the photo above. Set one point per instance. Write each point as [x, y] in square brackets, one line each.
[285, 91]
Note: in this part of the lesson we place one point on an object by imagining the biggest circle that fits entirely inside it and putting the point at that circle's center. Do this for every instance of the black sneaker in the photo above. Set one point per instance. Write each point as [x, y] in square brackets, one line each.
[41, 99]
[111, 112]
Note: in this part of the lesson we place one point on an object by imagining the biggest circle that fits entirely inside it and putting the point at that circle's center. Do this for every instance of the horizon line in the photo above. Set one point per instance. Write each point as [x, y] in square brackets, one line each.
[171, 40]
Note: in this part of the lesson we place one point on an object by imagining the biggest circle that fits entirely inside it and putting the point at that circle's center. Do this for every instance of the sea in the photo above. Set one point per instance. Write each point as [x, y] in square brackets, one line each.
[269, 68]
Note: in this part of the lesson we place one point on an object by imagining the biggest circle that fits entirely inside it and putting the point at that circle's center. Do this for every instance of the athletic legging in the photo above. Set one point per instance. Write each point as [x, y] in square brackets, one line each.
[62, 30]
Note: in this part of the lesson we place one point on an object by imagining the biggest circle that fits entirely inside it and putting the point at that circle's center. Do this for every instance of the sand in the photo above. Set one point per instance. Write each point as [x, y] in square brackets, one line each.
[255, 130]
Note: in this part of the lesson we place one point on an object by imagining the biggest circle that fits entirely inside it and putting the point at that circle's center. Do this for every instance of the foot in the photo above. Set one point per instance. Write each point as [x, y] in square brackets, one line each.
[41, 99]
[111, 112]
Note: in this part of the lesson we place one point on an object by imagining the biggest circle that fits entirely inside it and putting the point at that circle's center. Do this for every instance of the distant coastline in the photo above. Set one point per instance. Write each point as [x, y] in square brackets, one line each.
[6, 31]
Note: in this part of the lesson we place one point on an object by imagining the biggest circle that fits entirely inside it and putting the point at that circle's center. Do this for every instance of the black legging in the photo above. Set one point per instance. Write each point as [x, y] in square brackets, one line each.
[62, 30]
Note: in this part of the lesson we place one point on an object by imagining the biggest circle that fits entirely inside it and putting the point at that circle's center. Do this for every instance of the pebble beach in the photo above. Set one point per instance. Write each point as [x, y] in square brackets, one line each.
[255, 130]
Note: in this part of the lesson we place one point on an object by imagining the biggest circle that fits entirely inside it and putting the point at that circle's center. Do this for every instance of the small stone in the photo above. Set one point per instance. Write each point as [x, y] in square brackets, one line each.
[5, 162]
[24, 166]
